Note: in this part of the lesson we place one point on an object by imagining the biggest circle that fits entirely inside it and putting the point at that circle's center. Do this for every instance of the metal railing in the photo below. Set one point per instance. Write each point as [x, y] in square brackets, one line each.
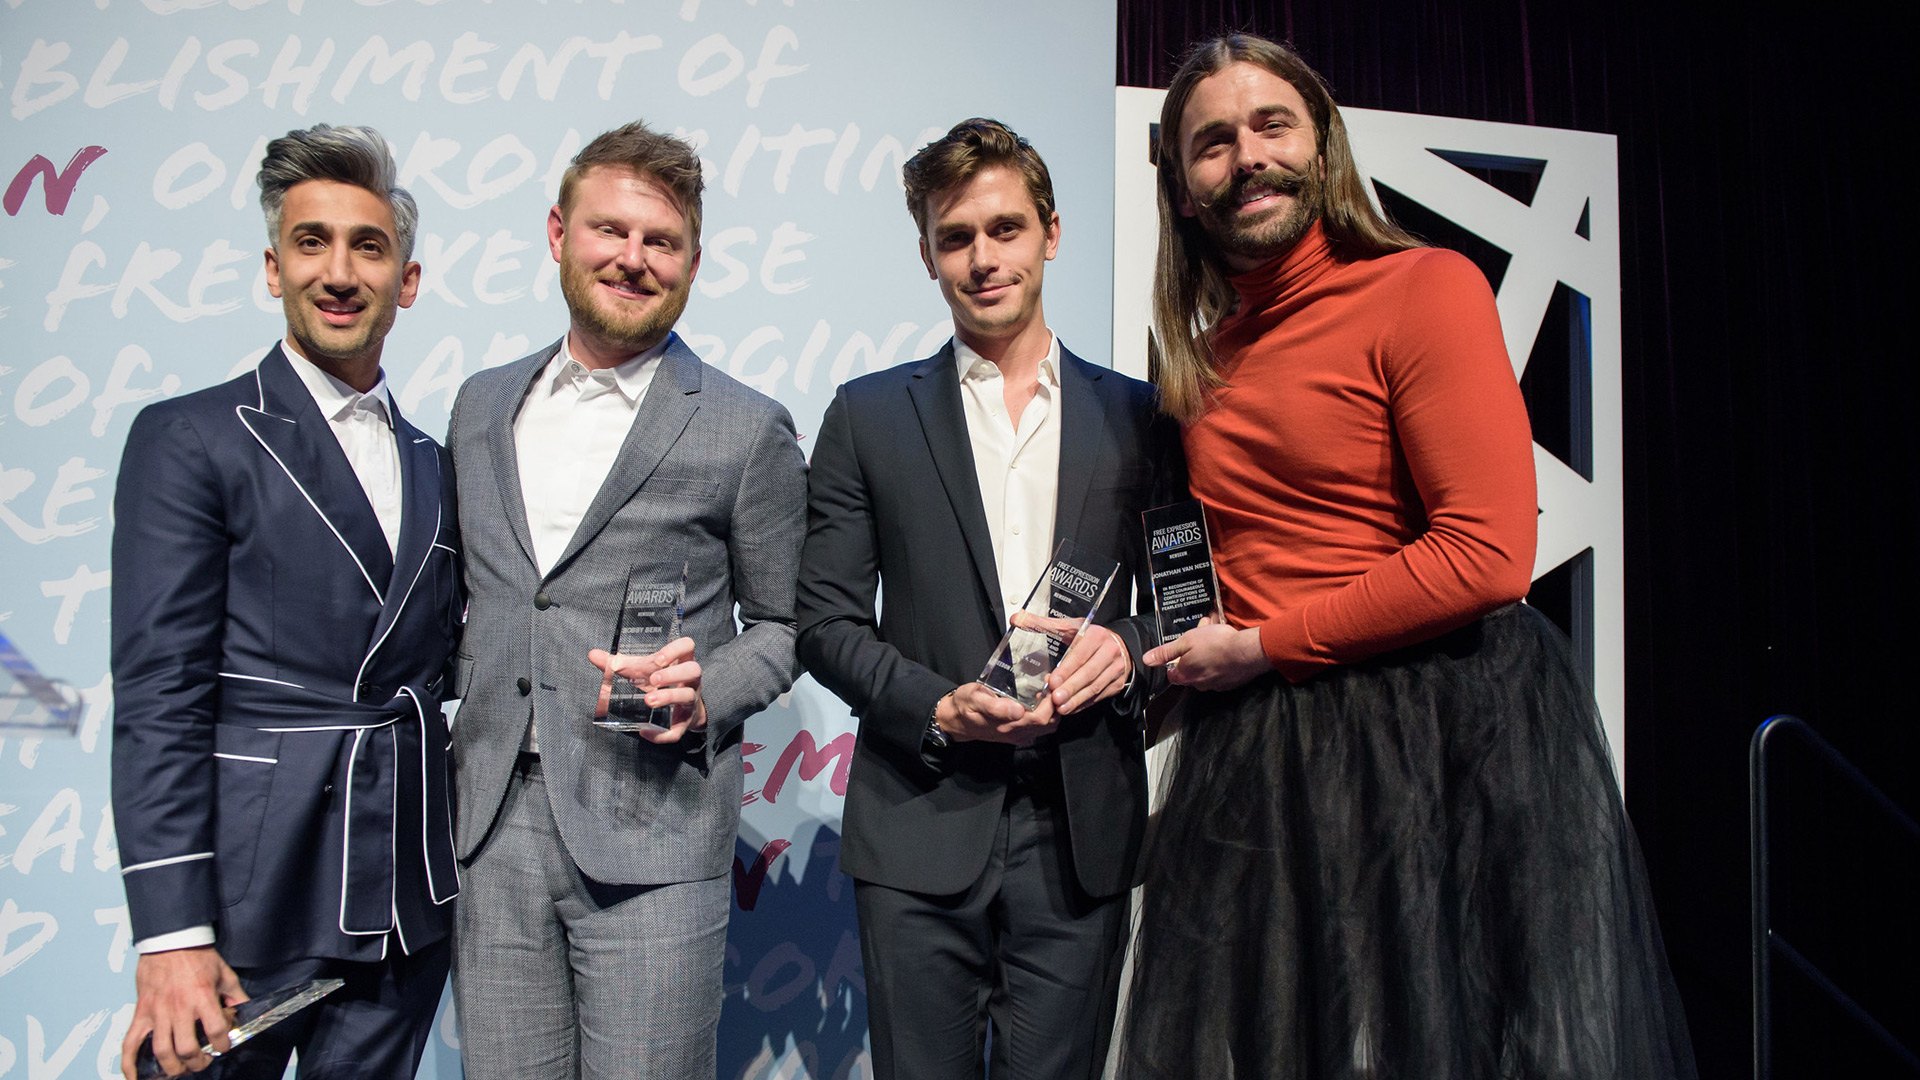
[1770, 943]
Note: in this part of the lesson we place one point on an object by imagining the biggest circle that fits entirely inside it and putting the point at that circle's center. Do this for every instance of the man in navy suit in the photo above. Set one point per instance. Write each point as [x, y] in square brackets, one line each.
[991, 846]
[286, 599]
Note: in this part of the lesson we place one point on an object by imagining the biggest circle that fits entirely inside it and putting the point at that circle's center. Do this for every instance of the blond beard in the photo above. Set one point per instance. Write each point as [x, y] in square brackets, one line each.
[633, 334]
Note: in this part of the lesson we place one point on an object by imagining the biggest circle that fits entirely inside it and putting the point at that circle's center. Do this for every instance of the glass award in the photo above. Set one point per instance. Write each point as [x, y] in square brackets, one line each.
[1057, 609]
[1180, 559]
[650, 616]
[250, 1018]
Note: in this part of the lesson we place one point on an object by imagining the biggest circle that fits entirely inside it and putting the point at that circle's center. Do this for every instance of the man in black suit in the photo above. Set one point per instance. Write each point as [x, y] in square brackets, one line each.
[286, 597]
[991, 846]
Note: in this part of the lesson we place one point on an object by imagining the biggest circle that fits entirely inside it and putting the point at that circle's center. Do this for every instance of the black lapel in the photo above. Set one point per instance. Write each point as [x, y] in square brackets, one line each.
[935, 390]
[1084, 440]
[419, 518]
[289, 425]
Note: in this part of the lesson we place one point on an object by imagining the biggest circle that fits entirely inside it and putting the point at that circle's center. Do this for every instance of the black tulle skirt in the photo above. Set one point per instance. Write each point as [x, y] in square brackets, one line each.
[1415, 868]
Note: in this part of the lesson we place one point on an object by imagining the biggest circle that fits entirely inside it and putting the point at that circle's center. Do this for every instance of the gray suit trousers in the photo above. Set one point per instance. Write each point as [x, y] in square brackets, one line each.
[581, 978]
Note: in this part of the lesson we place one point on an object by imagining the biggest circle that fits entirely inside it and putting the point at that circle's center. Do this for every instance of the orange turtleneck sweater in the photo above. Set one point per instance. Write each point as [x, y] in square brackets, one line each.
[1367, 467]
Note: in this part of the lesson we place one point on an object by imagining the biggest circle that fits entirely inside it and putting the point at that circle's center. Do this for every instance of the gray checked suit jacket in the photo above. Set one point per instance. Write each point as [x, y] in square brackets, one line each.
[710, 476]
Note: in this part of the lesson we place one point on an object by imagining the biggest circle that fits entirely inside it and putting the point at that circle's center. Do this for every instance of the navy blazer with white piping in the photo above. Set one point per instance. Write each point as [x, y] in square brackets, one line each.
[279, 754]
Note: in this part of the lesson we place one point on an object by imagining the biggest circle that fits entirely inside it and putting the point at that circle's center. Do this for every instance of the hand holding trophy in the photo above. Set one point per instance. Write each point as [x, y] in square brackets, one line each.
[1057, 611]
[650, 679]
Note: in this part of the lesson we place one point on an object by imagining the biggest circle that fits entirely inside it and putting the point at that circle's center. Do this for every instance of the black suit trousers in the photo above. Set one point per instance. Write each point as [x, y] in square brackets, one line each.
[1024, 952]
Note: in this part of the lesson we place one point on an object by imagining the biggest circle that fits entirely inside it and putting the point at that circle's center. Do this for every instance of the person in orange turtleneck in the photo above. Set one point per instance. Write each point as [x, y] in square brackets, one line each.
[1392, 844]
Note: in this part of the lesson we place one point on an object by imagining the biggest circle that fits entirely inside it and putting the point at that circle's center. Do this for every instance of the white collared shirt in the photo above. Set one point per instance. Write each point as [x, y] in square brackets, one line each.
[363, 423]
[568, 433]
[1018, 468]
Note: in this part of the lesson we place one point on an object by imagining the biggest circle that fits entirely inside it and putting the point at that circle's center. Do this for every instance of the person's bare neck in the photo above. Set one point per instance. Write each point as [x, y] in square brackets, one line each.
[1017, 354]
[360, 372]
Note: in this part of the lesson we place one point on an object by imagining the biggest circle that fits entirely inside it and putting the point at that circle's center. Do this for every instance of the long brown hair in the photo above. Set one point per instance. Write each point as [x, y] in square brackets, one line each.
[1190, 288]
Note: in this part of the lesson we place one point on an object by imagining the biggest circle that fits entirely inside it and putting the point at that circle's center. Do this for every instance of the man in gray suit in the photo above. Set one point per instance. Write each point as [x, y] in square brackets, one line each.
[592, 926]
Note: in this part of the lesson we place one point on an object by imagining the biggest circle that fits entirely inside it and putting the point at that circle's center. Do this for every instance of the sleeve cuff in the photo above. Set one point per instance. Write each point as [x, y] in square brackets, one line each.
[191, 938]
[1290, 648]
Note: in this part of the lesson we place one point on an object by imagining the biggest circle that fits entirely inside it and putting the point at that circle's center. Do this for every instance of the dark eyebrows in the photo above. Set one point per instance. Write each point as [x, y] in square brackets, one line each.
[355, 232]
[1207, 130]
[939, 228]
[372, 232]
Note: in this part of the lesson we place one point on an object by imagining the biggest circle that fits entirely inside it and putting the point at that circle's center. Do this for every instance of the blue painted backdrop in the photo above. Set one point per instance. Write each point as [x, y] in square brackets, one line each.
[134, 274]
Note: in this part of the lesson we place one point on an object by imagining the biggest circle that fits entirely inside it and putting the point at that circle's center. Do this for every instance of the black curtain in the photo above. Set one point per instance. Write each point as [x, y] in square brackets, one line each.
[1769, 405]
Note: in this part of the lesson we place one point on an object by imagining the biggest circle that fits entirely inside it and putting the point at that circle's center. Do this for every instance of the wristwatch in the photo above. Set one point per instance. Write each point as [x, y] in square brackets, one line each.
[936, 736]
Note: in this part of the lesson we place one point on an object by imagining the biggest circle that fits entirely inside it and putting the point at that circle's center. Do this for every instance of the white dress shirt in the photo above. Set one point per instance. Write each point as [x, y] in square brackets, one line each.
[1018, 467]
[364, 425]
[569, 431]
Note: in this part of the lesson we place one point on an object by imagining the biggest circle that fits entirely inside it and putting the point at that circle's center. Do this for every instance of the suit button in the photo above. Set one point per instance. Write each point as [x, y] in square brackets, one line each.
[525, 684]
[542, 601]
[369, 691]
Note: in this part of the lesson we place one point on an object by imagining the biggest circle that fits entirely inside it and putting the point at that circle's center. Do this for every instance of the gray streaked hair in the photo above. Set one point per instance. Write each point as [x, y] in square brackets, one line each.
[348, 155]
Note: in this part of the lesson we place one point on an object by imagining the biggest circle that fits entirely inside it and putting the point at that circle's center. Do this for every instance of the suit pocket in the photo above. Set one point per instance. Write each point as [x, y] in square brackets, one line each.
[245, 760]
[680, 486]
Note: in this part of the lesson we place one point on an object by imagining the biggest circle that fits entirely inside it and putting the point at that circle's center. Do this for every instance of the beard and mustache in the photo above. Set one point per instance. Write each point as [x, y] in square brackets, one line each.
[1270, 232]
[631, 332]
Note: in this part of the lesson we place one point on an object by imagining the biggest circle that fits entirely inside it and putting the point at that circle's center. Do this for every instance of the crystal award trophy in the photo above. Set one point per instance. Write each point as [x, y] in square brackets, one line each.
[650, 616]
[1057, 609]
[1180, 559]
[250, 1018]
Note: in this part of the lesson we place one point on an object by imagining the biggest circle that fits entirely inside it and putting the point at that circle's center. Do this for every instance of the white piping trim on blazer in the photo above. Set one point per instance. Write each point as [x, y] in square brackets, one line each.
[245, 757]
[240, 411]
[390, 721]
[346, 841]
[393, 839]
[439, 515]
[260, 678]
[156, 863]
[433, 887]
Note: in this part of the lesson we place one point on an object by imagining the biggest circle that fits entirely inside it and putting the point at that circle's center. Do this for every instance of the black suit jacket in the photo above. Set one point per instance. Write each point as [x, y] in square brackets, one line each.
[894, 507]
[279, 756]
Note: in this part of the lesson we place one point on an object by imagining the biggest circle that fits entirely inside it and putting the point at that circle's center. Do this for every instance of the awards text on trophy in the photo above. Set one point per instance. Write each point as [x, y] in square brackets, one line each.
[1185, 589]
[650, 616]
[1057, 609]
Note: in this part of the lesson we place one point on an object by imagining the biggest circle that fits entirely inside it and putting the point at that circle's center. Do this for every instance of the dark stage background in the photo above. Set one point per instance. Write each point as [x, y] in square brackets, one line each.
[1769, 411]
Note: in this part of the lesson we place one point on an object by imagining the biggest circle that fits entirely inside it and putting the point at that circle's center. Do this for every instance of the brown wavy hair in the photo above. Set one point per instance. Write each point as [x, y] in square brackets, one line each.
[1190, 288]
[971, 147]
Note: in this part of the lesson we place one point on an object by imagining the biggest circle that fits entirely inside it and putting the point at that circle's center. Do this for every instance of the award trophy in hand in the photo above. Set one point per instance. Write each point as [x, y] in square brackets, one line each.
[1185, 590]
[250, 1018]
[1057, 609]
[650, 616]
